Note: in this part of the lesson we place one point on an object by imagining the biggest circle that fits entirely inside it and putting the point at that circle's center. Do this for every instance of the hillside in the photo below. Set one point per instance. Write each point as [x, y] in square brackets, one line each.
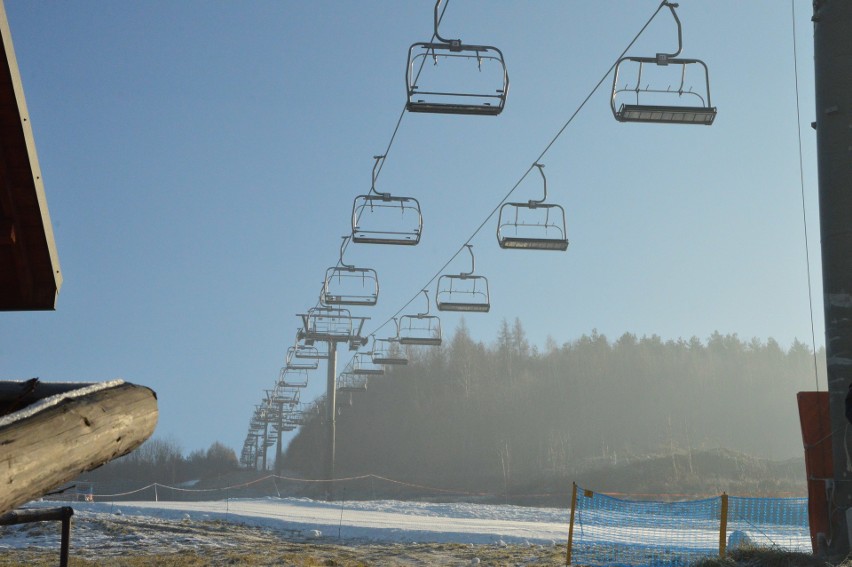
[507, 417]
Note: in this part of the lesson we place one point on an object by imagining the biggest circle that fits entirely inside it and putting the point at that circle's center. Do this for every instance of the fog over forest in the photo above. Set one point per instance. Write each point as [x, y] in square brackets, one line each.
[475, 414]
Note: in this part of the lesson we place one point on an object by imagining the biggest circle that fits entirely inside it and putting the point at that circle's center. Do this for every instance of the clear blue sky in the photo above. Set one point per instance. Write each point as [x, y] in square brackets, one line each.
[200, 161]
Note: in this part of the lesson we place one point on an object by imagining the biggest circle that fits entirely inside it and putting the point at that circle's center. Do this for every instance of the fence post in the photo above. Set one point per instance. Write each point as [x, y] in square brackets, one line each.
[723, 525]
[571, 524]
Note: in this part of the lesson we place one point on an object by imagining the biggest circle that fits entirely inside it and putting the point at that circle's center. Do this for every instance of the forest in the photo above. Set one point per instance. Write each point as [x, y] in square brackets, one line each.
[483, 416]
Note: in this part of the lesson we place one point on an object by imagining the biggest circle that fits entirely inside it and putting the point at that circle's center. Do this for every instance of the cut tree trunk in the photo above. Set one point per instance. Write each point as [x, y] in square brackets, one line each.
[55, 439]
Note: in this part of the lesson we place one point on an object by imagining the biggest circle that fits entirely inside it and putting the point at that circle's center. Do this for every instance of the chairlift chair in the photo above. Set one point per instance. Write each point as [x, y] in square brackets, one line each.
[295, 362]
[433, 72]
[290, 377]
[347, 285]
[387, 351]
[363, 365]
[297, 416]
[349, 382]
[331, 324]
[381, 218]
[648, 100]
[286, 395]
[303, 350]
[534, 225]
[463, 292]
[421, 329]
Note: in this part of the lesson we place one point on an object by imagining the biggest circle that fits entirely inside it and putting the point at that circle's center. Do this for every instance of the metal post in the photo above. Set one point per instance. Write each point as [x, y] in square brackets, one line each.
[833, 75]
[65, 544]
[571, 524]
[256, 451]
[278, 442]
[265, 436]
[331, 418]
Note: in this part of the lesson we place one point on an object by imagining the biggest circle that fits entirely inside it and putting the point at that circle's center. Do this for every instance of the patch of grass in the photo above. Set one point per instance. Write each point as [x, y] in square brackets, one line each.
[307, 555]
[748, 556]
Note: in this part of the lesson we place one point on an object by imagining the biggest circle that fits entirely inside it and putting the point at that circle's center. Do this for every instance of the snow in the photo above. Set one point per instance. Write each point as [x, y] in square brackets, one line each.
[385, 521]
[45, 403]
[175, 525]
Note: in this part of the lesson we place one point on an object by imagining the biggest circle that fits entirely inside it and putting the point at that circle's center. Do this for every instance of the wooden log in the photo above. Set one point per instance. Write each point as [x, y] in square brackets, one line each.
[55, 439]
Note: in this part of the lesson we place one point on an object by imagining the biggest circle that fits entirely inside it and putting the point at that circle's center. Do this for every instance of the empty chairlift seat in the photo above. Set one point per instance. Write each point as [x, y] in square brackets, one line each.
[345, 284]
[331, 324]
[348, 382]
[363, 365]
[381, 218]
[463, 292]
[534, 225]
[662, 89]
[294, 361]
[421, 329]
[449, 77]
[293, 377]
[388, 352]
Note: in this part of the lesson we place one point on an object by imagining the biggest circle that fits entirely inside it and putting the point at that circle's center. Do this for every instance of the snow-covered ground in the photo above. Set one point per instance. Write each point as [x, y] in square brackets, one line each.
[112, 528]
[380, 521]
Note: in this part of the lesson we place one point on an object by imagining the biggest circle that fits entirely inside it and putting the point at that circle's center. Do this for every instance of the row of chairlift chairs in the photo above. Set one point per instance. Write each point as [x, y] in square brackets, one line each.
[531, 225]
[647, 94]
[383, 218]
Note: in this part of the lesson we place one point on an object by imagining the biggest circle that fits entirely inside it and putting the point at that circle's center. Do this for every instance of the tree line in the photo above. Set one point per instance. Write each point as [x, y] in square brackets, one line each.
[162, 461]
[475, 415]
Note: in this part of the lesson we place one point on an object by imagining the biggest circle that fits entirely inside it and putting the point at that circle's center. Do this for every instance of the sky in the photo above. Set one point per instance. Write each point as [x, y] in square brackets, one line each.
[200, 161]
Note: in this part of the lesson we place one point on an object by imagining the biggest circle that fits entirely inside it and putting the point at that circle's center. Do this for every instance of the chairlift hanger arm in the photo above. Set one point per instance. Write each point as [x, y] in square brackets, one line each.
[455, 43]
[472, 262]
[533, 202]
[663, 58]
[426, 313]
[342, 250]
[376, 168]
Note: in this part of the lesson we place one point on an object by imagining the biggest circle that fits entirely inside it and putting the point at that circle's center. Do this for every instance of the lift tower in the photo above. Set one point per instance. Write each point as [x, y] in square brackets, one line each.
[332, 325]
[833, 75]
